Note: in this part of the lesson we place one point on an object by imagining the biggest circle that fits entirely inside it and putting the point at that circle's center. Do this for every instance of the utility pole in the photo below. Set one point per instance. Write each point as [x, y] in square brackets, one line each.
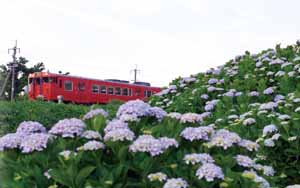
[136, 71]
[12, 67]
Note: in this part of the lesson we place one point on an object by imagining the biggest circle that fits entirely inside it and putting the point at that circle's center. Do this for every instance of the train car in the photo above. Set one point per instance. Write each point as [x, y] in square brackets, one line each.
[54, 87]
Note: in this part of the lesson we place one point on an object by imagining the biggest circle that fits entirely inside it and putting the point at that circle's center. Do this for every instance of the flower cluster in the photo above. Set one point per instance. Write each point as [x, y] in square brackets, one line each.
[68, 128]
[91, 135]
[244, 161]
[11, 141]
[115, 124]
[147, 143]
[209, 171]
[198, 158]
[29, 127]
[159, 176]
[197, 133]
[91, 146]
[175, 115]
[34, 142]
[190, 118]
[133, 110]
[176, 183]
[224, 138]
[94, 113]
[119, 135]
[157, 112]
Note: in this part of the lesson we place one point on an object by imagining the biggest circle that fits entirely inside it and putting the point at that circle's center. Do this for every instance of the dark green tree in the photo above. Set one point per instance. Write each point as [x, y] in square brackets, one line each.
[21, 76]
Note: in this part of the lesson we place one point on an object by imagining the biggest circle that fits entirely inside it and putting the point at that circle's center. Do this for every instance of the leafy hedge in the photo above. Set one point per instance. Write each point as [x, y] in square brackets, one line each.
[47, 113]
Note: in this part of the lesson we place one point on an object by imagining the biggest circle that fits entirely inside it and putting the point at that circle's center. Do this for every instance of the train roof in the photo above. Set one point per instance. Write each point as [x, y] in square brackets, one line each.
[125, 82]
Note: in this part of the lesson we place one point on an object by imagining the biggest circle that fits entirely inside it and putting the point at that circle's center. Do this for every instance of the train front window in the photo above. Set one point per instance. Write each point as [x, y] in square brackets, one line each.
[68, 85]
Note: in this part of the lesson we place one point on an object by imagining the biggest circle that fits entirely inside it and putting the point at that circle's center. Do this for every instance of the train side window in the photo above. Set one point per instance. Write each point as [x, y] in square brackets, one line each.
[45, 79]
[103, 89]
[38, 81]
[68, 85]
[60, 83]
[95, 89]
[118, 91]
[125, 92]
[145, 93]
[110, 91]
[149, 93]
[137, 93]
[81, 86]
[130, 92]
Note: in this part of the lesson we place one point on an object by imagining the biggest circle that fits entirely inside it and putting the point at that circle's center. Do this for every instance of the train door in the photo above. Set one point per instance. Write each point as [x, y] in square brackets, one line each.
[80, 92]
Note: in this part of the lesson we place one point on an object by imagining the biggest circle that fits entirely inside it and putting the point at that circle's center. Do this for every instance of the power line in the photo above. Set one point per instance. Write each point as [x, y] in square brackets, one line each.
[12, 67]
[136, 71]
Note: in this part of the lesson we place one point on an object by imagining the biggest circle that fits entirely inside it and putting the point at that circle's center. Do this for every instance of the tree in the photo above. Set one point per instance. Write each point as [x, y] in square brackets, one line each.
[21, 77]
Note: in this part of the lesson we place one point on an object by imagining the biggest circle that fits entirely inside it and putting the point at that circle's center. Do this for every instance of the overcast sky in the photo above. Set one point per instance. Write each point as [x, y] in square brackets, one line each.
[165, 38]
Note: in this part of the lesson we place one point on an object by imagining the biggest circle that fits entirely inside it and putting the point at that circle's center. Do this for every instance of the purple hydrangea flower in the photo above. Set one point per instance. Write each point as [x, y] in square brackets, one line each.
[224, 138]
[249, 121]
[157, 112]
[68, 128]
[168, 142]
[204, 96]
[11, 141]
[94, 113]
[269, 142]
[119, 135]
[268, 91]
[175, 115]
[253, 94]
[268, 106]
[159, 176]
[244, 161]
[249, 145]
[34, 142]
[91, 146]
[176, 183]
[91, 135]
[197, 133]
[115, 124]
[198, 158]
[209, 171]
[212, 81]
[258, 179]
[147, 143]
[134, 108]
[269, 129]
[29, 127]
[190, 118]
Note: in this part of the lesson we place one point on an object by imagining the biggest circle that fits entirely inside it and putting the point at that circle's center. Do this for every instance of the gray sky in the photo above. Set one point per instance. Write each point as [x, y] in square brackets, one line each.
[165, 38]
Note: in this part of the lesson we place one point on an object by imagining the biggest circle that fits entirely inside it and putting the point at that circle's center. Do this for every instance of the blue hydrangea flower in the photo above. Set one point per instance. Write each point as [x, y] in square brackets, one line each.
[91, 146]
[269, 129]
[91, 135]
[224, 138]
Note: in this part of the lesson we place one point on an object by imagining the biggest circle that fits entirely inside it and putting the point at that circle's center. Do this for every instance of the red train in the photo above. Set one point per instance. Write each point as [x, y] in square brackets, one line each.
[54, 87]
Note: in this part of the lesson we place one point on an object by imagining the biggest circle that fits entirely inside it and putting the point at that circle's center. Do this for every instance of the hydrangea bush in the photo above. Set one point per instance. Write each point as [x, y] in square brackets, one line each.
[234, 126]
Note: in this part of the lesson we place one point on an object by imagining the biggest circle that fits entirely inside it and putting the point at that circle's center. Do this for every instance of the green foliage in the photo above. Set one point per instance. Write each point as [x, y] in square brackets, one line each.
[47, 113]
